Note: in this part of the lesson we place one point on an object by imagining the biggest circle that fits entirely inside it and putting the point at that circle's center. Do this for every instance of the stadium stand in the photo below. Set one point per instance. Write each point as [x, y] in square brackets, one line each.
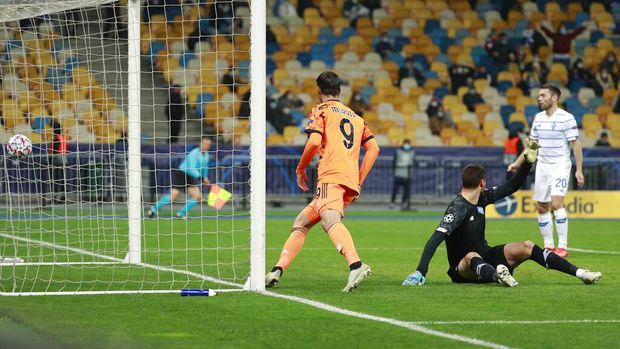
[398, 55]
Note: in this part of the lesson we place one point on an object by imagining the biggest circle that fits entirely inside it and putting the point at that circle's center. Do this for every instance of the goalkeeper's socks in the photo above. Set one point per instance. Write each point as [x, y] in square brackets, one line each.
[551, 260]
[483, 269]
[163, 201]
[341, 238]
[292, 246]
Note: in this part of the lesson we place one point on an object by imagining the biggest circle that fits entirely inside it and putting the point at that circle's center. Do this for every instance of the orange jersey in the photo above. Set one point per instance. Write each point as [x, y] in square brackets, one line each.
[343, 134]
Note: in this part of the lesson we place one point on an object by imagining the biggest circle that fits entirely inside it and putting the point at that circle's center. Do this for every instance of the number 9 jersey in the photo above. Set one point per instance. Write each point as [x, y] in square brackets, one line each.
[343, 133]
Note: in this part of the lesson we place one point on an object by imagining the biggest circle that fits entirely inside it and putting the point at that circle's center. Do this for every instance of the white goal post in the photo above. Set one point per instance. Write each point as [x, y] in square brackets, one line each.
[93, 84]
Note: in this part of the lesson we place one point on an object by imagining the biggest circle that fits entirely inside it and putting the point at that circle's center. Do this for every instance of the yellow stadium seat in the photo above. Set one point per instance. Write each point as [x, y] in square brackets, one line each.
[491, 125]
[458, 141]
[290, 132]
[512, 94]
[446, 133]
[481, 110]
[450, 100]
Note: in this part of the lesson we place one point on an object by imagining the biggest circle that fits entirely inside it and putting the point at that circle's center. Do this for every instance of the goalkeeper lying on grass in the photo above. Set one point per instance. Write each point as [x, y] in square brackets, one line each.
[470, 257]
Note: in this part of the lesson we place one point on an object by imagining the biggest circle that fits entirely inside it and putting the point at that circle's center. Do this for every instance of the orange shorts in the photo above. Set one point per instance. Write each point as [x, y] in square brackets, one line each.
[332, 196]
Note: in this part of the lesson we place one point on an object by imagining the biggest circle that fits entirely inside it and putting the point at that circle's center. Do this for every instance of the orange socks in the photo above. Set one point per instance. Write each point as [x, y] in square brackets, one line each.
[291, 248]
[343, 241]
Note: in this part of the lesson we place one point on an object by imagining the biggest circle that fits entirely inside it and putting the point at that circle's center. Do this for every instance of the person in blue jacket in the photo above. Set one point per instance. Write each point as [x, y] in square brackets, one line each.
[188, 176]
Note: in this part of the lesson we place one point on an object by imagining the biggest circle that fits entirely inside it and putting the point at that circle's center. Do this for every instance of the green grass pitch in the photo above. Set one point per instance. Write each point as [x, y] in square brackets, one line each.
[390, 242]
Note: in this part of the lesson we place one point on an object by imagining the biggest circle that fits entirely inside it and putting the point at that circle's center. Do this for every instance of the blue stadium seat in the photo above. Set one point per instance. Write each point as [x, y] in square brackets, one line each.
[367, 92]
[515, 125]
[201, 101]
[441, 92]
[304, 58]
[394, 32]
[172, 10]
[444, 58]
[521, 25]
[484, 7]
[298, 116]
[505, 111]
[421, 59]
[477, 52]
[575, 84]
[399, 42]
[396, 58]
[572, 103]
[430, 25]
[56, 78]
[530, 111]
[154, 47]
[429, 74]
[596, 102]
[244, 69]
[185, 58]
[346, 34]
[581, 17]
[39, 123]
[541, 5]
[580, 45]
[595, 36]
[460, 35]
[569, 25]
[503, 85]
[271, 66]
[272, 47]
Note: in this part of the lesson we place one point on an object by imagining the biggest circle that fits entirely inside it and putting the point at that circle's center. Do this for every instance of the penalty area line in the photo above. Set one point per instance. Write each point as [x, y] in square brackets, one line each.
[592, 251]
[516, 322]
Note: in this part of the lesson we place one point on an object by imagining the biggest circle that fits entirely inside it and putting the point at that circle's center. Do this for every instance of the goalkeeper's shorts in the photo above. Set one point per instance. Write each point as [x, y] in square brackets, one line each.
[332, 197]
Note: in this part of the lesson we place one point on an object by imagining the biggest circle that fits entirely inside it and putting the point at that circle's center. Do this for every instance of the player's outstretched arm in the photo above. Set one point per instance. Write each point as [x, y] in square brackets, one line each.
[372, 152]
[515, 182]
[310, 150]
[419, 276]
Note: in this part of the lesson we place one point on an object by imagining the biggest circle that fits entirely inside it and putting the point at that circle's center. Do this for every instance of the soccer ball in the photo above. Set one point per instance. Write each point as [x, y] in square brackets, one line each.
[19, 146]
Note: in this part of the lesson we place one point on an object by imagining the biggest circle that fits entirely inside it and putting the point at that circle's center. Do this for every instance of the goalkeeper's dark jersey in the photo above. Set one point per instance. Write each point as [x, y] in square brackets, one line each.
[464, 223]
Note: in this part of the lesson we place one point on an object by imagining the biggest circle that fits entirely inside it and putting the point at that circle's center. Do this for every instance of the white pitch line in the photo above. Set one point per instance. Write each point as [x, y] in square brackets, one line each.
[404, 324]
[514, 322]
[592, 251]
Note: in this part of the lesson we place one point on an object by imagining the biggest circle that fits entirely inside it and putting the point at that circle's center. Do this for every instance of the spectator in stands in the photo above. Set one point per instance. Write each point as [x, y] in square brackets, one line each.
[604, 82]
[286, 11]
[353, 9]
[489, 43]
[581, 75]
[533, 39]
[616, 105]
[231, 80]
[302, 5]
[472, 98]
[534, 75]
[385, 46]
[501, 49]
[409, 70]
[271, 37]
[562, 40]
[58, 151]
[281, 115]
[437, 116]
[244, 108]
[460, 75]
[358, 104]
[507, 6]
[175, 111]
[402, 166]
[611, 65]
[482, 73]
[603, 140]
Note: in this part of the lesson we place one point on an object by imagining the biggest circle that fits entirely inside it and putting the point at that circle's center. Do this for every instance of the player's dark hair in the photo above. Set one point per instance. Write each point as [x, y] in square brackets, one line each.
[329, 83]
[472, 175]
[554, 89]
[207, 137]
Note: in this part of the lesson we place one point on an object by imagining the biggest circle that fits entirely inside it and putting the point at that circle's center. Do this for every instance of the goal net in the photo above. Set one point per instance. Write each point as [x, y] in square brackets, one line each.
[139, 115]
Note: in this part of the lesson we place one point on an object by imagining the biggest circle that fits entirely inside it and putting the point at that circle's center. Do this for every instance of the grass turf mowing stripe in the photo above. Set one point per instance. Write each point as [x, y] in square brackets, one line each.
[312, 303]
[592, 251]
[404, 324]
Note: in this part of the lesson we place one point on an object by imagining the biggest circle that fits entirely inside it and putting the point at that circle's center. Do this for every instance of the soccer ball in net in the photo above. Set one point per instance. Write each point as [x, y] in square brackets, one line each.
[19, 146]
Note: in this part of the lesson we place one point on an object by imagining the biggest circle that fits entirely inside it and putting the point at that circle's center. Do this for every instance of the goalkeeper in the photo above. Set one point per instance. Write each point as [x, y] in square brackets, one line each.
[470, 257]
[187, 176]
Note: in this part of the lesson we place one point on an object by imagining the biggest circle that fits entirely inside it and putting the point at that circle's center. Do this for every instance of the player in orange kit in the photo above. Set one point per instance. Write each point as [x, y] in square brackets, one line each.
[338, 134]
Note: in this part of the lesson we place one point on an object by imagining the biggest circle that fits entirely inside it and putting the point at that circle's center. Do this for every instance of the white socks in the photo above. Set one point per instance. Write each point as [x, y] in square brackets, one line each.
[561, 224]
[546, 229]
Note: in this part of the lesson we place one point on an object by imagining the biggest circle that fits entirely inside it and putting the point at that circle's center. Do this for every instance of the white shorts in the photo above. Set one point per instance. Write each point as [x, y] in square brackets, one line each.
[551, 180]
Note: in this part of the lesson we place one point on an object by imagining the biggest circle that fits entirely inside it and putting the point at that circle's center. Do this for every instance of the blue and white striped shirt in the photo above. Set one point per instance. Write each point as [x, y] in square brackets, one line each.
[554, 133]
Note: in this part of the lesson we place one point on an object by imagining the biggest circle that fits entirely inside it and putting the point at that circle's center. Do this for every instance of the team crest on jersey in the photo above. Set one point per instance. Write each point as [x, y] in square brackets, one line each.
[448, 218]
[480, 210]
[553, 126]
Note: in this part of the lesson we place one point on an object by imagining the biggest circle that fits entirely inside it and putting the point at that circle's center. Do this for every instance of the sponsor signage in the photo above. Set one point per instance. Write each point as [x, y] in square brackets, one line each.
[578, 204]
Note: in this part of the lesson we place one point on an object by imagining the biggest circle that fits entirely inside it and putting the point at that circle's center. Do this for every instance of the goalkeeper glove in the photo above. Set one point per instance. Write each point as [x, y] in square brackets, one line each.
[415, 279]
[531, 150]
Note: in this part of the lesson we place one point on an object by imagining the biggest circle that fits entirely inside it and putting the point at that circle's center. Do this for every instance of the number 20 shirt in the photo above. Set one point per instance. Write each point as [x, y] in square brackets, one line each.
[343, 133]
